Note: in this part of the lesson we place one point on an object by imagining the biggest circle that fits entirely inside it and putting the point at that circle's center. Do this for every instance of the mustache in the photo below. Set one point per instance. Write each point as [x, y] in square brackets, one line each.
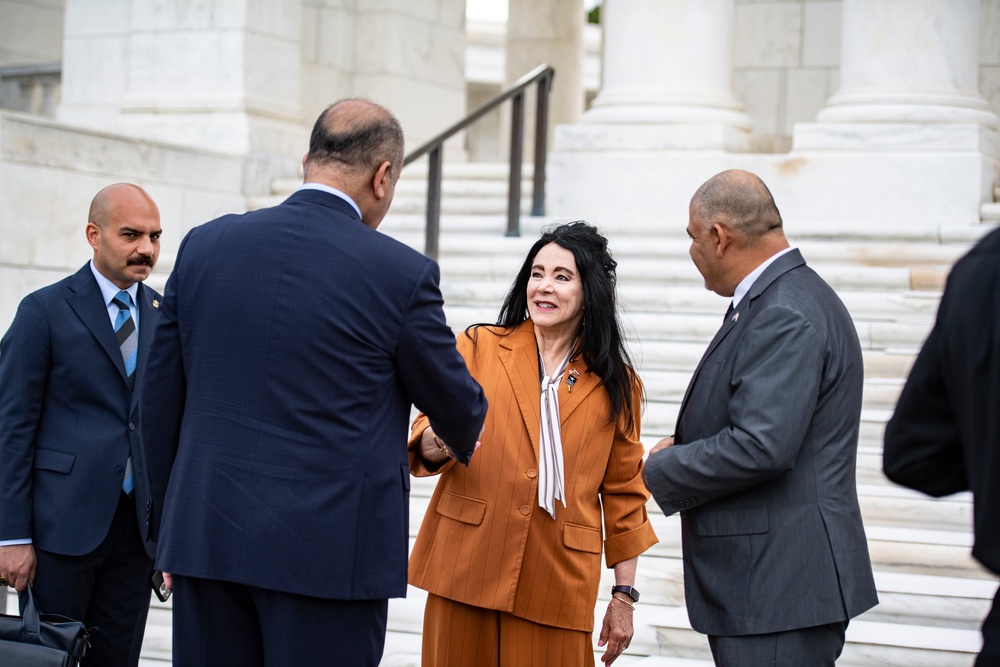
[140, 260]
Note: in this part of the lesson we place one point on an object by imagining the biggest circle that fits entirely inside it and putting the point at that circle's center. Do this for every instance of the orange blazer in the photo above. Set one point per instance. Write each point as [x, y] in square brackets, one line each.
[485, 541]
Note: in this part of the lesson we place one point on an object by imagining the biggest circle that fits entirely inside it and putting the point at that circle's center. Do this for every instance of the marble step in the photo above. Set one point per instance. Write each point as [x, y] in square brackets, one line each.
[670, 385]
[644, 332]
[682, 299]
[869, 643]
[681, 271]
[668, 240]
[932, 601]
[659, 419]
[656, 353]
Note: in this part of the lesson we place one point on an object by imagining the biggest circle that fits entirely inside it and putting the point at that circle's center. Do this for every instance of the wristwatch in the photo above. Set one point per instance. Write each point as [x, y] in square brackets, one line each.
[627, 590]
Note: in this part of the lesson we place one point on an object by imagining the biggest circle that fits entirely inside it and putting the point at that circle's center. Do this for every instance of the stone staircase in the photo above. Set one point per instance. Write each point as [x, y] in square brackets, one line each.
[933, 595]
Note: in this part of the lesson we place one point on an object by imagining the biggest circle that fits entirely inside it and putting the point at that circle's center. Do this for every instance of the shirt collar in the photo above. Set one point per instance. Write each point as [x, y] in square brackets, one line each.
[109, 290]
[333, 191]
[747, 283]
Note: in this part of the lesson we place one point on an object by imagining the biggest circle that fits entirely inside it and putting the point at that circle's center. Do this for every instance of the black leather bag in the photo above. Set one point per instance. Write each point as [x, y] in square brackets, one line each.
[41, 640]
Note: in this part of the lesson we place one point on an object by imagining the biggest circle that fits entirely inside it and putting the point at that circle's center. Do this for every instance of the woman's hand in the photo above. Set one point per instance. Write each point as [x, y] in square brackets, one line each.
[617, 630]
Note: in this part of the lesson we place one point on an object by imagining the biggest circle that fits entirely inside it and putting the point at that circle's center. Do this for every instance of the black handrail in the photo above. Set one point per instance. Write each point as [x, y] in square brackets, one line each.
[543, 74]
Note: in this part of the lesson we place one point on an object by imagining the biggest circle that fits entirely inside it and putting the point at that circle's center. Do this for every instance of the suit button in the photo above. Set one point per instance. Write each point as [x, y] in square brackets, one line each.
[119, 471]
[131, 426]
[531, 474]
[525, 510]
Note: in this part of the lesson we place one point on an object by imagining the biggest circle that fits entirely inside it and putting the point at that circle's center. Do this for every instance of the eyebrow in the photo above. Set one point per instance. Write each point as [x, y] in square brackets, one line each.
[557, 269]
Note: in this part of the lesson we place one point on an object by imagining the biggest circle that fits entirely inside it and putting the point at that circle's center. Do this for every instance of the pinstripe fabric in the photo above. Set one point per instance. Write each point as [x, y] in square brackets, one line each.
[460, 635]
[486, 542]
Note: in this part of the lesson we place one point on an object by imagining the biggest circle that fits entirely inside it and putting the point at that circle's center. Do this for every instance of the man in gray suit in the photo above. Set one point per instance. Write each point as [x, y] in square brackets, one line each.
[762, 462]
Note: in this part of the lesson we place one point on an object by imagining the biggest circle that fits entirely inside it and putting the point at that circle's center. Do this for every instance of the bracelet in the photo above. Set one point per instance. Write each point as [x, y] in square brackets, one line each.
[439, 445]
[624, 602]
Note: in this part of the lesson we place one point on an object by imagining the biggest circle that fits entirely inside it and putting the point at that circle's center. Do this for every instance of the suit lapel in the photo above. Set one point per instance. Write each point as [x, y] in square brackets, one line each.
[149, 314]
[780, 266]
[585, 383]
[87, 302]
[519, 356]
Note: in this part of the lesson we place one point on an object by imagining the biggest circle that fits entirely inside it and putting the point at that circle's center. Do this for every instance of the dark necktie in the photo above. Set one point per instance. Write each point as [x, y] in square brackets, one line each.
[128, 342]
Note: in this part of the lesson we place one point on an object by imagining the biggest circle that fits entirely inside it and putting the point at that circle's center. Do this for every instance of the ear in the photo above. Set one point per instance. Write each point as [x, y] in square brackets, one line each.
[93, 235]
[721, 239]
[382, 179]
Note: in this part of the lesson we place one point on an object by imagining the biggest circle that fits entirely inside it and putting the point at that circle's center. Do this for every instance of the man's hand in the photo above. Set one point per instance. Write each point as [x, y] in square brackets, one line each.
[17, 565]
[616, 631]
[662, 444]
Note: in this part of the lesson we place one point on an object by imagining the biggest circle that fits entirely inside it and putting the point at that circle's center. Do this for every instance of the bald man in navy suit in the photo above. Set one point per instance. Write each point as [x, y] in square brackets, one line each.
[292, 342]
[74, 497]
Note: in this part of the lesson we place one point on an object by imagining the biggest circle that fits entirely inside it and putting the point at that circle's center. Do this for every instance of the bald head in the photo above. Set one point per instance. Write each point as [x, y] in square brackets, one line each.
[355, 136]
[109, 201]
[739, 201]
[123, 228]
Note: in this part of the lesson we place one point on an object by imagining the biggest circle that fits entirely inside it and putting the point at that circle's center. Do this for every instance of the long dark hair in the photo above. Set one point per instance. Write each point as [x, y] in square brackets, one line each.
[601, 343]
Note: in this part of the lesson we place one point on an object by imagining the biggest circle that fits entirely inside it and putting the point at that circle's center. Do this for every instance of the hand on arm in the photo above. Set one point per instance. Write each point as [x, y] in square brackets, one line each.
[662, 444]
[617, 629]
[17, 565]
[432, 449]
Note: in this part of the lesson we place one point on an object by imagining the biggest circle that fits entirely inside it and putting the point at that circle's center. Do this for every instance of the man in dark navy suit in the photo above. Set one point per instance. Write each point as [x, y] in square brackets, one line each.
[292, 342]
[74, 498]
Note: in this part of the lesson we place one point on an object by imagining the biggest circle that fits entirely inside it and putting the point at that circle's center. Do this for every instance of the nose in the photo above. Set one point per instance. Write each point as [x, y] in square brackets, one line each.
[145, 245]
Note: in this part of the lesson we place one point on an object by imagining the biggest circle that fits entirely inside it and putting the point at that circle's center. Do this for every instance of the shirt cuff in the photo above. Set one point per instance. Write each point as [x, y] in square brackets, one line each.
[10, 543]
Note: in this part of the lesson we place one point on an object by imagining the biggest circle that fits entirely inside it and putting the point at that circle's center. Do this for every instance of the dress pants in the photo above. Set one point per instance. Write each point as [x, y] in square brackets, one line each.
[818, 646]
[223, 624]
[460, 635]
[107, 589]
[990, 655]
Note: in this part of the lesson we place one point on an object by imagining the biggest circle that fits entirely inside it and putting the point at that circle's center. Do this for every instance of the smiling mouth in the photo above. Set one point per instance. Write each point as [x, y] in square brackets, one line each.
[545, 305]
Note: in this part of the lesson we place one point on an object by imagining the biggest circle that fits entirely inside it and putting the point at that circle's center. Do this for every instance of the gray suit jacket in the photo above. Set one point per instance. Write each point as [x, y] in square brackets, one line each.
[763, 468]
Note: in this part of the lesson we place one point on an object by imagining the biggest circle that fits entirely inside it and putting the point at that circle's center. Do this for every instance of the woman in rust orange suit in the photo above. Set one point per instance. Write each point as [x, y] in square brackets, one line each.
[510, 547]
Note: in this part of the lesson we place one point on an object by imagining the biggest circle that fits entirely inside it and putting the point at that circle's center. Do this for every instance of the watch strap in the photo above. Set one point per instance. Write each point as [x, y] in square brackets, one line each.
[627, 590]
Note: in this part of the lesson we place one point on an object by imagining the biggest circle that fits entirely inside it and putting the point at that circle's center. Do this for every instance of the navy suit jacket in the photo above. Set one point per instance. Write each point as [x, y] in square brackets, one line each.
[291, 344]
[68, 418]
[763, 468]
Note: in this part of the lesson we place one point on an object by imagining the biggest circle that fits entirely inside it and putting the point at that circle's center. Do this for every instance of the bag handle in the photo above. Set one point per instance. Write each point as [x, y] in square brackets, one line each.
[29, 618]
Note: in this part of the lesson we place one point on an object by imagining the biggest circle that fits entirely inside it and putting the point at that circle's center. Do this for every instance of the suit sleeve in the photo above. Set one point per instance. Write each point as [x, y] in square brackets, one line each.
[25, 353]
[623, 495]
[434, 373]
[773, 389]
[923, 447]
[162, 400]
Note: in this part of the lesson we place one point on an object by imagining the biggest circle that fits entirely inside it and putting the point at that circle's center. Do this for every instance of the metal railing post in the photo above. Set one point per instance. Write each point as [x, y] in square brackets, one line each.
[541, 145]
[433, 227]
[516, 156]
[433, 148]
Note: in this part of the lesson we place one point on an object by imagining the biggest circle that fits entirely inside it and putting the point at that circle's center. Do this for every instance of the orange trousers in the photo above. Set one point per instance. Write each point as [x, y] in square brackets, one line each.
[460, 635]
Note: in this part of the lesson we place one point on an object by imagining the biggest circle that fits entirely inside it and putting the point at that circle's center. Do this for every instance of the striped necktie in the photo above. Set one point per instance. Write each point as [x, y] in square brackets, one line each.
[128, 342]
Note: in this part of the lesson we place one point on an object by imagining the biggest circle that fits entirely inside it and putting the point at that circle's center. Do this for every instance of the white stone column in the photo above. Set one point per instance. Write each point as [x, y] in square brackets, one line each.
[547, 32]
[224, 76]
[908, 61]
[409, 55]
[670, 62]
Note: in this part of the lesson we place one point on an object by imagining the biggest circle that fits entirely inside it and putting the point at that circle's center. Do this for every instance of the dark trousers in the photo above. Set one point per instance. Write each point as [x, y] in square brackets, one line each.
[107, 589]
[990, 655]
[222, 624]
[818, 646]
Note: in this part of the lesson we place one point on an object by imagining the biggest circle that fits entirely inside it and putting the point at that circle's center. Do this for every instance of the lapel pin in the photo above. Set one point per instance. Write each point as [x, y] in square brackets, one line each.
[571, 379]
[156, 303]
[736, 317]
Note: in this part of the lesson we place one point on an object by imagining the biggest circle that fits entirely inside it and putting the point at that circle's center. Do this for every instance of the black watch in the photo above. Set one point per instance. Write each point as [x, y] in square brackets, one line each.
[627, 590]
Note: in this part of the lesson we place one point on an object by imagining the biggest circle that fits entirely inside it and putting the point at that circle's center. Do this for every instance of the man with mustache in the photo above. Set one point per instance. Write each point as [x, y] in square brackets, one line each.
[74, 497]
